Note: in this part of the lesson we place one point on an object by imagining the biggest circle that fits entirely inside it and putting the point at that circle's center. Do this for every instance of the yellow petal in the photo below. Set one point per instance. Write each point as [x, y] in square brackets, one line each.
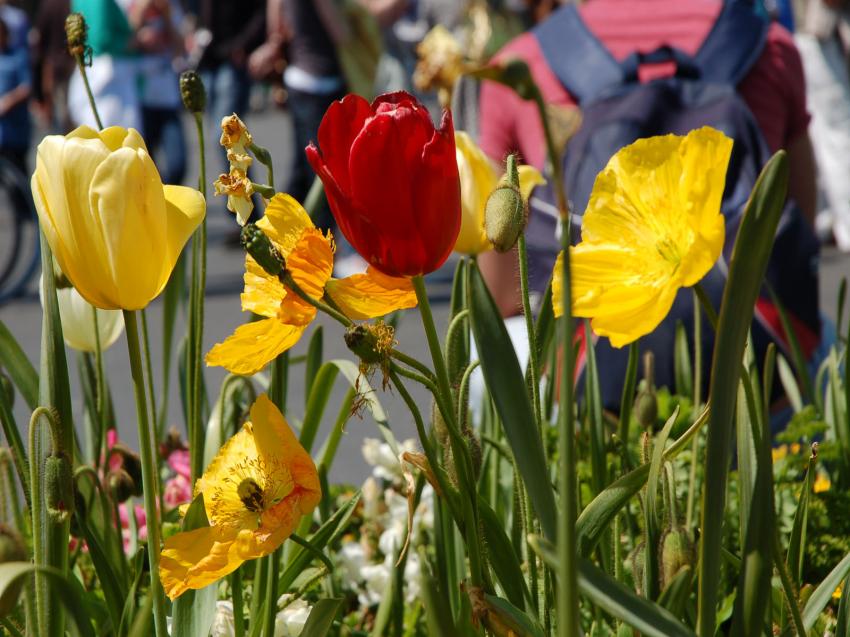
[311, 262]
[529, 179]
[373, 294]
[185, 209]
[284, 222]
[253, 346]
[477, 180]
[195, 559]
[263, 292]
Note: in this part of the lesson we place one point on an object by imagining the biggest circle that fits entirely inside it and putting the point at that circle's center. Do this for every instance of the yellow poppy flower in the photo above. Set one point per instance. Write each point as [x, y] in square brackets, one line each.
[478, 179]
[653, 225]
[309, 259]
[821, 484]
[256, 489]
[113, 227]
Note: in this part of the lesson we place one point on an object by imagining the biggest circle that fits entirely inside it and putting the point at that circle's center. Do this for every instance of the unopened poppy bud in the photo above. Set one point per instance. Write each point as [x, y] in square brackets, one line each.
[192, 92]
[76, 32]
[637, 561]
[475, 451]
[676, 552]
[646, 402]
[371, 343]
[8, 390]
[59, 484]
[258, 245]
[506, 212]
[120, 485]
[11, 550]
[131, 464]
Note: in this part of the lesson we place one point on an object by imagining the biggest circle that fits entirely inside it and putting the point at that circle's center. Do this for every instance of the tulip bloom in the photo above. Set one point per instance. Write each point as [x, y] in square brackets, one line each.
[113, 227]
[77, 324]
[653, 225]
[256, 490]
[391, 180]
[478, 179]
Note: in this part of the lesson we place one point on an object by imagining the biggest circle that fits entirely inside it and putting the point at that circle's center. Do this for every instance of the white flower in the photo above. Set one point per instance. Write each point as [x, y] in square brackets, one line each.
[77, 322]
[377, 579]
[290, 621]
[222, 624]
[371, 499]
[352, 558]
[380, 455]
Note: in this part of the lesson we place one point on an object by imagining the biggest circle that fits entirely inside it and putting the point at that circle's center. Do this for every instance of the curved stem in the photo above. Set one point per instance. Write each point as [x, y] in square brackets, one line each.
[401, 357]
[82, 67]
[288, 281]
[533, 369]
[147, 452]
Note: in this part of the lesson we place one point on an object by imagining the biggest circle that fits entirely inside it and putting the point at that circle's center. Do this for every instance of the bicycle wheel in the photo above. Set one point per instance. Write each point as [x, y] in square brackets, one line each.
[19, 240]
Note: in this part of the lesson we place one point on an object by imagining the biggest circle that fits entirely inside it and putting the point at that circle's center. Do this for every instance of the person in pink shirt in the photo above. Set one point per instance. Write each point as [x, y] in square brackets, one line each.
[774, 90]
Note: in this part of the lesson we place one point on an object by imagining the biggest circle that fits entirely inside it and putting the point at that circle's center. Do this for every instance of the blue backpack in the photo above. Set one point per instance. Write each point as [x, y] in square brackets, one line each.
[617, 109]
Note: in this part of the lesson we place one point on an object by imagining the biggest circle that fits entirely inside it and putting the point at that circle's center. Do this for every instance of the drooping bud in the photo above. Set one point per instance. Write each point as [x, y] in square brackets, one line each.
[120, 485]
[11, 550]
[260, 247]
[372, 344]
[76, 33]
[675, 552]
[646, 402]
[59, 484]
[131, 464]
[506, 212]
[516, 74]
[192, 92]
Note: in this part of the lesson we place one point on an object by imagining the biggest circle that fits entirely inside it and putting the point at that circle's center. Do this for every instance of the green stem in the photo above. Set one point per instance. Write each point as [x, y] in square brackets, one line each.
[146, 352]
[236, 597]
[401, 357]
[534, 370]
[147, 452]
[82, 67]
[271, 591]
[707, 307]
[100, 396]
[288, 281]
[692, 477]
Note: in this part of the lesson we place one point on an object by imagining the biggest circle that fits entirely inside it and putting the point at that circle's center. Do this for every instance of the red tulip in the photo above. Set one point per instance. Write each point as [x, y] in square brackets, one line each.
[391, 180]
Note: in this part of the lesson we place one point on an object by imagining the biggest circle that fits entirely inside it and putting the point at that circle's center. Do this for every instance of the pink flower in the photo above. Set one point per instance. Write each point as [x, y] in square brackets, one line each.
[178, 460]
[178, 490]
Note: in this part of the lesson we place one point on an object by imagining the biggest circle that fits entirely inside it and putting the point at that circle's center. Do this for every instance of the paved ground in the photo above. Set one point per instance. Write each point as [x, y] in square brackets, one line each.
[23, 317]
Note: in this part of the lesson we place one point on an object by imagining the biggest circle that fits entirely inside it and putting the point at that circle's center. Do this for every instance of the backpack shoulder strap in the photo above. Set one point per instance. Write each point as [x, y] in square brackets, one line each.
[579, 60]
[734, 43]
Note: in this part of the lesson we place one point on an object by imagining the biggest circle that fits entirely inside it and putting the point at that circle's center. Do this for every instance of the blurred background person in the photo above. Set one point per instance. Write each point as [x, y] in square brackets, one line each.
[15, 87]
[52, 66]
[160, 44]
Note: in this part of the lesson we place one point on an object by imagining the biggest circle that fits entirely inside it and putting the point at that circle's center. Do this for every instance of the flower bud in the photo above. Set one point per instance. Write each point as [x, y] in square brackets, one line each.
[59, 484]
[506, 212]
[120, 485]
[131, 464]
[676, 551]
[646, 403]
[8, 390]
[516, 74]
[192, 92]
[258, 245]
[365, 341]
[637, 561]
[11, 550]
[76, 32]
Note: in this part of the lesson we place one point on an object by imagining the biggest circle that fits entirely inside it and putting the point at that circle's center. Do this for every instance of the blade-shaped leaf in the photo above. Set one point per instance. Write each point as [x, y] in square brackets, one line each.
[321, 618]
[193, 611]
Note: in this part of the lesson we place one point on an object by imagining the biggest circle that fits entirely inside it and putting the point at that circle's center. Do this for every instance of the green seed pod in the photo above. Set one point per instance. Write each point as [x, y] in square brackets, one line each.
[259, 246]
[11, 550]
[506, 212]
[76, 32]
[192, 92]
[676, 552]
[59, 484]
[120, 485]
[363, 342]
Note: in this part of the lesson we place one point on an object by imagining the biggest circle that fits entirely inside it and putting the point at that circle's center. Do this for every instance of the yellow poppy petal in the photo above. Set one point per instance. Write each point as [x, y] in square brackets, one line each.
[529, 178]
[372, 294]
[284, 222]
[263, 292]
[478, 178]
[311, 262]
[253, 346]
[195, 559]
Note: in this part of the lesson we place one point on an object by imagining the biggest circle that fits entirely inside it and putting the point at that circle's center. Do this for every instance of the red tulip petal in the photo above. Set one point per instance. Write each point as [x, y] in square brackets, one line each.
[341, 124]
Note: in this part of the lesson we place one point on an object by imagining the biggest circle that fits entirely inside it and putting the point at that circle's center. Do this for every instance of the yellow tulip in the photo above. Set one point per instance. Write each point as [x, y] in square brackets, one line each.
[113, 227]
[478, 178]
[256, 490]
[652, 226]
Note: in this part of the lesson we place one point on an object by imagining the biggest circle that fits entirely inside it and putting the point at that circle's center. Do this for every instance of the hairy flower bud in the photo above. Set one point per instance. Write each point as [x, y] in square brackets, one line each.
[258, 245]
[506, 212]
[646, 402]
[192, 92]
[76, 32]
[59, 484]
[676, 551]
[11, 550]
[120, 485]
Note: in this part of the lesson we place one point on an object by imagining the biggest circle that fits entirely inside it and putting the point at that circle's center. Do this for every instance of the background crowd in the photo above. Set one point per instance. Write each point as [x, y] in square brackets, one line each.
[300, 55]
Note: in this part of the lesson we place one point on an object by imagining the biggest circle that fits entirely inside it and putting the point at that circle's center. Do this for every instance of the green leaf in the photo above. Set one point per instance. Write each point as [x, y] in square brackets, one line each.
[594, 414]
[683, 370]
[675, 596]
[324, 535]
[746, 275]
[823, 593]
[68, 590]
[438, 613]
[194, 610]
[596, 516]
[504, 377]
[321, 617]
[797, 539]
[505, 565]
[789, 383]
[797, 356]
[511, 619]
[18, 366]
[842, 625]
[313, 361]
